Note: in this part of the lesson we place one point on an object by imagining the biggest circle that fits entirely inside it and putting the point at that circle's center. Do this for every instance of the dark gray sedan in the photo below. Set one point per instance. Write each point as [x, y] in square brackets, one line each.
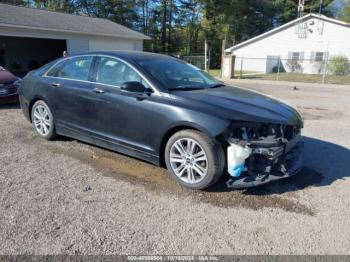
[165, 111]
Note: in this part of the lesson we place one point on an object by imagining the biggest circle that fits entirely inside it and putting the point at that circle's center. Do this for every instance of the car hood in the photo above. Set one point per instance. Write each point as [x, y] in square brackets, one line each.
[241, 104]
[6, 77]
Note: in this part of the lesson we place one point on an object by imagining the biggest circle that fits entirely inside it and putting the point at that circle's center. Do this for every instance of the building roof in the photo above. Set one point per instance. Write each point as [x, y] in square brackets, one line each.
[285, 26]
[39, 19]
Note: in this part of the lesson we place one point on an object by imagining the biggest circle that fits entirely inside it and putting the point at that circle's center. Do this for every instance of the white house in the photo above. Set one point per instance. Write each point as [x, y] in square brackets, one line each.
[30, 37]
[302, 45]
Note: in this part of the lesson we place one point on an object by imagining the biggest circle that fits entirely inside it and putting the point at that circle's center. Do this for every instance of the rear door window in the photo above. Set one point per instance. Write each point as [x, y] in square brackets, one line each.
[77, 68]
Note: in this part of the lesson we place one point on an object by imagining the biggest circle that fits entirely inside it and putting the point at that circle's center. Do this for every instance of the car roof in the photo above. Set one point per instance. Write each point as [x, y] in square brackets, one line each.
[130, 55]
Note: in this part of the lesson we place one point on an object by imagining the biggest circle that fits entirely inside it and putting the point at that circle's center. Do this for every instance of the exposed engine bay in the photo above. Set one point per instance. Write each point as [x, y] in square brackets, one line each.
[261, 153]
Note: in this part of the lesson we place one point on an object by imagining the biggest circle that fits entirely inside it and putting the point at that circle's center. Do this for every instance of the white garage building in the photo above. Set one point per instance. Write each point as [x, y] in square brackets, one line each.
[303, 45]
[31, 37]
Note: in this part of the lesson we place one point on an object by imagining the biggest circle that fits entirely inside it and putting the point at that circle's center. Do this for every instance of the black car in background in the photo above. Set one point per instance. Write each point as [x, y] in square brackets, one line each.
[9, 85]
[165, 111]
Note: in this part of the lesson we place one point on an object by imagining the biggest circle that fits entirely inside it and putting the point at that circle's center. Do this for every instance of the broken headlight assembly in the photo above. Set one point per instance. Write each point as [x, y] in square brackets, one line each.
[260, 153]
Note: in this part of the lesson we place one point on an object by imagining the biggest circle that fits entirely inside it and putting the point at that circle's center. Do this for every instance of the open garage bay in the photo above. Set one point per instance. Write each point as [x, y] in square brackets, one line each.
[22, 54]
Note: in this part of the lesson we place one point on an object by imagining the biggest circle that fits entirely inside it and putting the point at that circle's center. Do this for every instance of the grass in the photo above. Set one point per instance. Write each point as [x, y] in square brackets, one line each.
[306, 78]
[217, 72]
[291, 77]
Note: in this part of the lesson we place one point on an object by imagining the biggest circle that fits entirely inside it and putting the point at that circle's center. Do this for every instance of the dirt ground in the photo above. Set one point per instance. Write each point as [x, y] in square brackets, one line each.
[69, 197]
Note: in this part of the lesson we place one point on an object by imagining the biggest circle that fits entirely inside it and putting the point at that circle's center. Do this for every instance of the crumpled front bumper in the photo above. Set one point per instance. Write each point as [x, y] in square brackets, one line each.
[292, 165]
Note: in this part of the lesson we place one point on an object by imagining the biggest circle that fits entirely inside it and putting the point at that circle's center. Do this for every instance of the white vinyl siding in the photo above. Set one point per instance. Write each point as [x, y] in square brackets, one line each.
[77, 45]
[115, 44]
[334, 40]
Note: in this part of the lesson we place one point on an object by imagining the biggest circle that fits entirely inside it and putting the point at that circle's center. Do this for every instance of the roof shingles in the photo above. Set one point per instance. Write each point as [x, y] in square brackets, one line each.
[48, 20]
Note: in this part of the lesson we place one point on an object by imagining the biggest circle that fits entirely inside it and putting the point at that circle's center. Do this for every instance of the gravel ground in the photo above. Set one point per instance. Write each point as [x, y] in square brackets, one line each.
[72, 198]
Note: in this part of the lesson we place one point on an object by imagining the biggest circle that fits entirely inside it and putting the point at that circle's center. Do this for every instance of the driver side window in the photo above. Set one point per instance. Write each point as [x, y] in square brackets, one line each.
[114, 72]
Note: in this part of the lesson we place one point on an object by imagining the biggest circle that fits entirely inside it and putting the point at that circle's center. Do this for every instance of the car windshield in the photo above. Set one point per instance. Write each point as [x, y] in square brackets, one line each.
[177, 75]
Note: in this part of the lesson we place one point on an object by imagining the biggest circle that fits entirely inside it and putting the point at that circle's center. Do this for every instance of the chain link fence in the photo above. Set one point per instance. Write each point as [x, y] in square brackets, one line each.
[196, 60]
[319, 69]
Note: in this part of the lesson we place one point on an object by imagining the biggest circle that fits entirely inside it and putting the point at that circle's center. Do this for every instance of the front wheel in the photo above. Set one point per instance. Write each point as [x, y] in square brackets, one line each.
[42, 120]
[194, 160]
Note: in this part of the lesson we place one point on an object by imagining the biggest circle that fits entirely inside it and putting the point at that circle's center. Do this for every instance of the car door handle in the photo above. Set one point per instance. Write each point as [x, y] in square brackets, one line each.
[98, 91]
[55, 84]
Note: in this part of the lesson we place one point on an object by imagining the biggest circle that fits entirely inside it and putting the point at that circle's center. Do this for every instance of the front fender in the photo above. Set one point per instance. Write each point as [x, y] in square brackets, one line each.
[169, 117]
[210, 126]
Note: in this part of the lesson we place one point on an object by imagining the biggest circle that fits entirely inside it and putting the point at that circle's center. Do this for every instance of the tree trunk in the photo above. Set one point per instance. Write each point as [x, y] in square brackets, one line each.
[170, 22]
[164, 27]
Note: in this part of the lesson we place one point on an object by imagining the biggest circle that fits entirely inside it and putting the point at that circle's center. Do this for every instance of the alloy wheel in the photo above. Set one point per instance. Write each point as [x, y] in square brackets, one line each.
[188, 160]
[41, 120]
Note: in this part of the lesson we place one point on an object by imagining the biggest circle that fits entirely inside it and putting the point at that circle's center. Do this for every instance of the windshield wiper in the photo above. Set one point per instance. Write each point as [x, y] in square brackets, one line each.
[216, 85]
[184, 88]
[191, 88]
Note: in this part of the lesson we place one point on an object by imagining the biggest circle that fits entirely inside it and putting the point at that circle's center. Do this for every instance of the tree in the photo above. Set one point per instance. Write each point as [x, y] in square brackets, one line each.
[181, 26]
[16, 2]
[344, 14]
[66, 6]
[339, 65]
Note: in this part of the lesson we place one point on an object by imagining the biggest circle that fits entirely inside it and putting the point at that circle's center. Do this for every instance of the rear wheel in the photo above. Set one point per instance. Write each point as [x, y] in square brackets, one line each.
[193, 159]
[42, 120]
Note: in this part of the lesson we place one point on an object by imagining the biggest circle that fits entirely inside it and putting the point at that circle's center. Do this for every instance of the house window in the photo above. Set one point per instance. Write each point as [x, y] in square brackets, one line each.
[295, 56]
[319, 56]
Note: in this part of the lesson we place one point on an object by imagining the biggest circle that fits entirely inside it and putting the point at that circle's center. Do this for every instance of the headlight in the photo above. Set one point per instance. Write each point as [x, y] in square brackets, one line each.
[3, 91]
[256, 131]
[17, 83]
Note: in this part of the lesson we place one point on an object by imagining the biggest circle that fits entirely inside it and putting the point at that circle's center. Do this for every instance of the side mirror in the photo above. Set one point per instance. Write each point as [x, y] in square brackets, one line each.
[135, 87]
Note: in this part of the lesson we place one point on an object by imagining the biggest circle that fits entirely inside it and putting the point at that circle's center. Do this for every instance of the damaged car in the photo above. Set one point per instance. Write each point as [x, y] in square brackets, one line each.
[165, 111]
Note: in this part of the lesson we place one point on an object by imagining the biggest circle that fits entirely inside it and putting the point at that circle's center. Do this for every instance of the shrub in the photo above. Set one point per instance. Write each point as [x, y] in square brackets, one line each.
[294, 66]
[281, 70]
[339, 65]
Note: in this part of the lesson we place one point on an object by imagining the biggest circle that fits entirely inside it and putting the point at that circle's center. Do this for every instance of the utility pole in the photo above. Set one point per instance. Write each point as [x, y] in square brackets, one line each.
[320, 11]
[301, 8]
[206, 55]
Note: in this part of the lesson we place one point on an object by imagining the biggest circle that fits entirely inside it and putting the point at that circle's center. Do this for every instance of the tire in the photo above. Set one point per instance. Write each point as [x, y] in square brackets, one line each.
[204, 169]
[42, 120]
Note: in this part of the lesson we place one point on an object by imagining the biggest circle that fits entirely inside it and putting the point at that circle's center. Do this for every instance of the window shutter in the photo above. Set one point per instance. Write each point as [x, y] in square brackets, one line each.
[301, 56]
[312, 57]
[326, 54]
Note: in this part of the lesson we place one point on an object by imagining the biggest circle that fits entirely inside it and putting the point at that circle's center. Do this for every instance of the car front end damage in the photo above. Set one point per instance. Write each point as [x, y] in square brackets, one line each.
[260, 153]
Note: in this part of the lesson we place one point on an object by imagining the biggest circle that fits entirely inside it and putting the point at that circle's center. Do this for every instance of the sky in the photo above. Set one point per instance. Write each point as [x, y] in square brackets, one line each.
[337, 5]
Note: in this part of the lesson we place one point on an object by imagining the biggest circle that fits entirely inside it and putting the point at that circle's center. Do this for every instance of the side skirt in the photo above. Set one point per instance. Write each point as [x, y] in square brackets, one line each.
[114, 146]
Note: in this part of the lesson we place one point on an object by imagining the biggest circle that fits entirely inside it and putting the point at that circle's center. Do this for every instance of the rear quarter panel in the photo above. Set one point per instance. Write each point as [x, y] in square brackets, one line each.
[33, 89]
